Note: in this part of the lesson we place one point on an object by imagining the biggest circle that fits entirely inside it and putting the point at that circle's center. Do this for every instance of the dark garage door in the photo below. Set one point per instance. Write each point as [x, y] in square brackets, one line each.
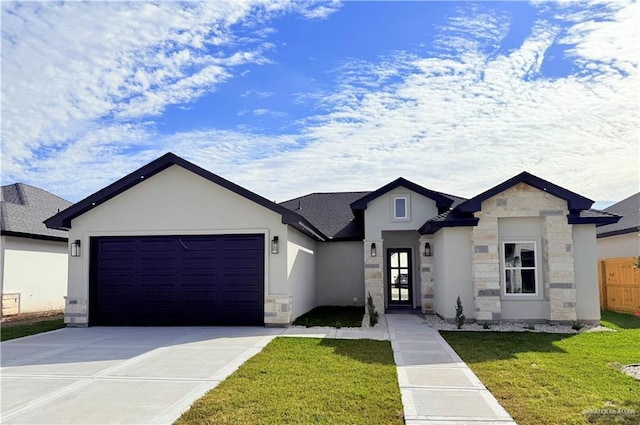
[177, 280]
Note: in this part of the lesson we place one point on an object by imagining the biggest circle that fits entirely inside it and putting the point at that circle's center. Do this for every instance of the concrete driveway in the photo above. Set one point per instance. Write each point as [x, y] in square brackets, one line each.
[108, 375]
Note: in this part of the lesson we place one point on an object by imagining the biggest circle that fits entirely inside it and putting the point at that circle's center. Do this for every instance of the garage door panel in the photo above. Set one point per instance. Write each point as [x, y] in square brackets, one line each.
[177, 280]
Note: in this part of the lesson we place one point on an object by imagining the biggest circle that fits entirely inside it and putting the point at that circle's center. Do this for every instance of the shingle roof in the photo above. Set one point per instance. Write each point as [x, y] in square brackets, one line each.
[23, 209]
[629, 209]
[330, 213]
[333, 213]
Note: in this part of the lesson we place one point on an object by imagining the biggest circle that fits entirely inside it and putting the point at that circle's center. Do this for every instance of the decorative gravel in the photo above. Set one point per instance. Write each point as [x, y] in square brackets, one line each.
[380, 326]
[632, 370]
[436, 322]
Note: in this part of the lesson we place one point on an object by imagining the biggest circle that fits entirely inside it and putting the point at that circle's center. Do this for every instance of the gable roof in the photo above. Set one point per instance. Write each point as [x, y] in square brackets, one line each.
[463, 214]
[575, 202]
[629, 209]
[330, 212]
[23, 208]
[442, 201]
[63, 219]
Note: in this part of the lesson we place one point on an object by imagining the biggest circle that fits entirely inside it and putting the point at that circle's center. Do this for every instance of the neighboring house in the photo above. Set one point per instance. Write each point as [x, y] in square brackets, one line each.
[621, 239]
[172, 243]
[33, 258]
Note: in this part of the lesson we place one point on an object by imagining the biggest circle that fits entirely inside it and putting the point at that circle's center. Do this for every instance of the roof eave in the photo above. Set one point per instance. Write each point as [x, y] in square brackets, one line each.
[34, 236]
[441, 200]
[598, 221]
[574, 201]
[431, 227]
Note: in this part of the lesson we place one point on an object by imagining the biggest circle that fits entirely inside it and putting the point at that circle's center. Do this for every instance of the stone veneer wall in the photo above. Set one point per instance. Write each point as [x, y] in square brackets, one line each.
[426, 277]
[373, 274]
[558, 283]
[76, 312]
[277, 311]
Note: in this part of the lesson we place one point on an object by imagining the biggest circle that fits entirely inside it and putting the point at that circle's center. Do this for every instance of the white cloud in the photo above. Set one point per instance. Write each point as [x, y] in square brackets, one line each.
[68, 66]
[460, 119]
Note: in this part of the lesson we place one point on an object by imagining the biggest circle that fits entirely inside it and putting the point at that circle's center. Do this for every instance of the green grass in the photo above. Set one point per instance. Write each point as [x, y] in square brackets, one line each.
[18, 331]
[307, 381]
[555, 378]
[619, 321]
[333, 316]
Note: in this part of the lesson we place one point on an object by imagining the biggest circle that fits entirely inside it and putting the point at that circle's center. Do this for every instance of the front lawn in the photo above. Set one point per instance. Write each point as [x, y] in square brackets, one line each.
[559, 379]
[18, 331]
[307, 381]
[334, 316]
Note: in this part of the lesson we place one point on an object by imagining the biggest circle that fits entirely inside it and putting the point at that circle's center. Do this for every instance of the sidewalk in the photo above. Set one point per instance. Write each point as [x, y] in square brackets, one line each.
[436, 386]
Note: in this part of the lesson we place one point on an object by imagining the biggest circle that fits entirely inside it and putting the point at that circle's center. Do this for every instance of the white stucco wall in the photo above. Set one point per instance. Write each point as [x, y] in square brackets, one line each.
[379, 213]
[178, 202]
[586, 273]
[37, 270]
[301, 272]
[452, 271]
[339, 273]
[625, 245]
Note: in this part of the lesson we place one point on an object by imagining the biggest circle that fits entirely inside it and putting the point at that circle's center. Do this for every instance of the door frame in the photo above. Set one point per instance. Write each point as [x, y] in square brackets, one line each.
[409, 301]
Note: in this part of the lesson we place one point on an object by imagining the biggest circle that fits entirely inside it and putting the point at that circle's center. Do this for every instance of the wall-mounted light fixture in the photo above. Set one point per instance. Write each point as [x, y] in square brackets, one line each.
[75, 248]
[374, 252]
[427, 249]
[275, 245]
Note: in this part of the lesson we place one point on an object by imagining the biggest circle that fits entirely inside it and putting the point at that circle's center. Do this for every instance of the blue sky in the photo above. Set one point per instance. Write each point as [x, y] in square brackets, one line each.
[287, 98]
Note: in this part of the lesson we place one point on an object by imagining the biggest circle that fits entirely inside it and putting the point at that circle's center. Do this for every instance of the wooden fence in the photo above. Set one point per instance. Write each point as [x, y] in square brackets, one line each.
[619, 284]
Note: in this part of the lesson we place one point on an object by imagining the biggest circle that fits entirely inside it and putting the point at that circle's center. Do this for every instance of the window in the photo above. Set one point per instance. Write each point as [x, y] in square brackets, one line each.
[401, 208]
[520, 268]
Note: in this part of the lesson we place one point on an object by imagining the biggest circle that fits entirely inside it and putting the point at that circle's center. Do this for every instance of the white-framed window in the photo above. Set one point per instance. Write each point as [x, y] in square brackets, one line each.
[520, 268]
[401, 207]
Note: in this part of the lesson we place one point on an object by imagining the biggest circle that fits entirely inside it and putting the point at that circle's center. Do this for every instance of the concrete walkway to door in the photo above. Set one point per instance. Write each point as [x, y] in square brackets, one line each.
[437, 387]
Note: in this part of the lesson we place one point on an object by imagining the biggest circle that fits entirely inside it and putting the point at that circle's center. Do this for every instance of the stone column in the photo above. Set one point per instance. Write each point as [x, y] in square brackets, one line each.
[426, 277]
[559, 268]
[486, 269]
[374, 274]
[277, 311]
[76, 312]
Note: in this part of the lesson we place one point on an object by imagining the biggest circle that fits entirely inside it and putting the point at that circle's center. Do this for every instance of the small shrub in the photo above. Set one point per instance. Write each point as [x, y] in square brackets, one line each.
[486, 325]
[460, 319]
[371, 308]
[575, 325]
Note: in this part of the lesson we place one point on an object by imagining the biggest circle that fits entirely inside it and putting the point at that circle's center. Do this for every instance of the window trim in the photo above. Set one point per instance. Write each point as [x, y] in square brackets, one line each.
[537, 295]
[407, 208]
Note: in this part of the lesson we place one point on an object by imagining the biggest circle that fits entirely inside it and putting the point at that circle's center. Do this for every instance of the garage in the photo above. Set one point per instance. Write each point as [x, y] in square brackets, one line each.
[177, 280]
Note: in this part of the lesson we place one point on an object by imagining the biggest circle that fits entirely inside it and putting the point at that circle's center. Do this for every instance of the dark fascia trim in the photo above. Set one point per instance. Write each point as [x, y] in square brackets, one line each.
[574, 201]
[431, 227]
[598, 221]
[34, 236]
[618, 232]
[441, 200]
[63, 219]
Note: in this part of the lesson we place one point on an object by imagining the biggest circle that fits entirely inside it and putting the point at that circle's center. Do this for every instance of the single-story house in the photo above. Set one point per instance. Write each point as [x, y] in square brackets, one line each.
[621, 239]
[33, 258]
[172, 243]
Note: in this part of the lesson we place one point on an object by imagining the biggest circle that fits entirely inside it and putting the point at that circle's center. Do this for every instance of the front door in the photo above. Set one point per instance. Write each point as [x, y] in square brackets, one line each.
[399, 277]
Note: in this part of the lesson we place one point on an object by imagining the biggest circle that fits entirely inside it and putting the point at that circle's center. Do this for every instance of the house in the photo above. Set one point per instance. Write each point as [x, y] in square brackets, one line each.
[172, 243]
[33, 258]
[621, 239]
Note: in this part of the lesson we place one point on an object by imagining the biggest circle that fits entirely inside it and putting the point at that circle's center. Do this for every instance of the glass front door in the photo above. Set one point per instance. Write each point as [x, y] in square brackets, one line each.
[399, 276]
